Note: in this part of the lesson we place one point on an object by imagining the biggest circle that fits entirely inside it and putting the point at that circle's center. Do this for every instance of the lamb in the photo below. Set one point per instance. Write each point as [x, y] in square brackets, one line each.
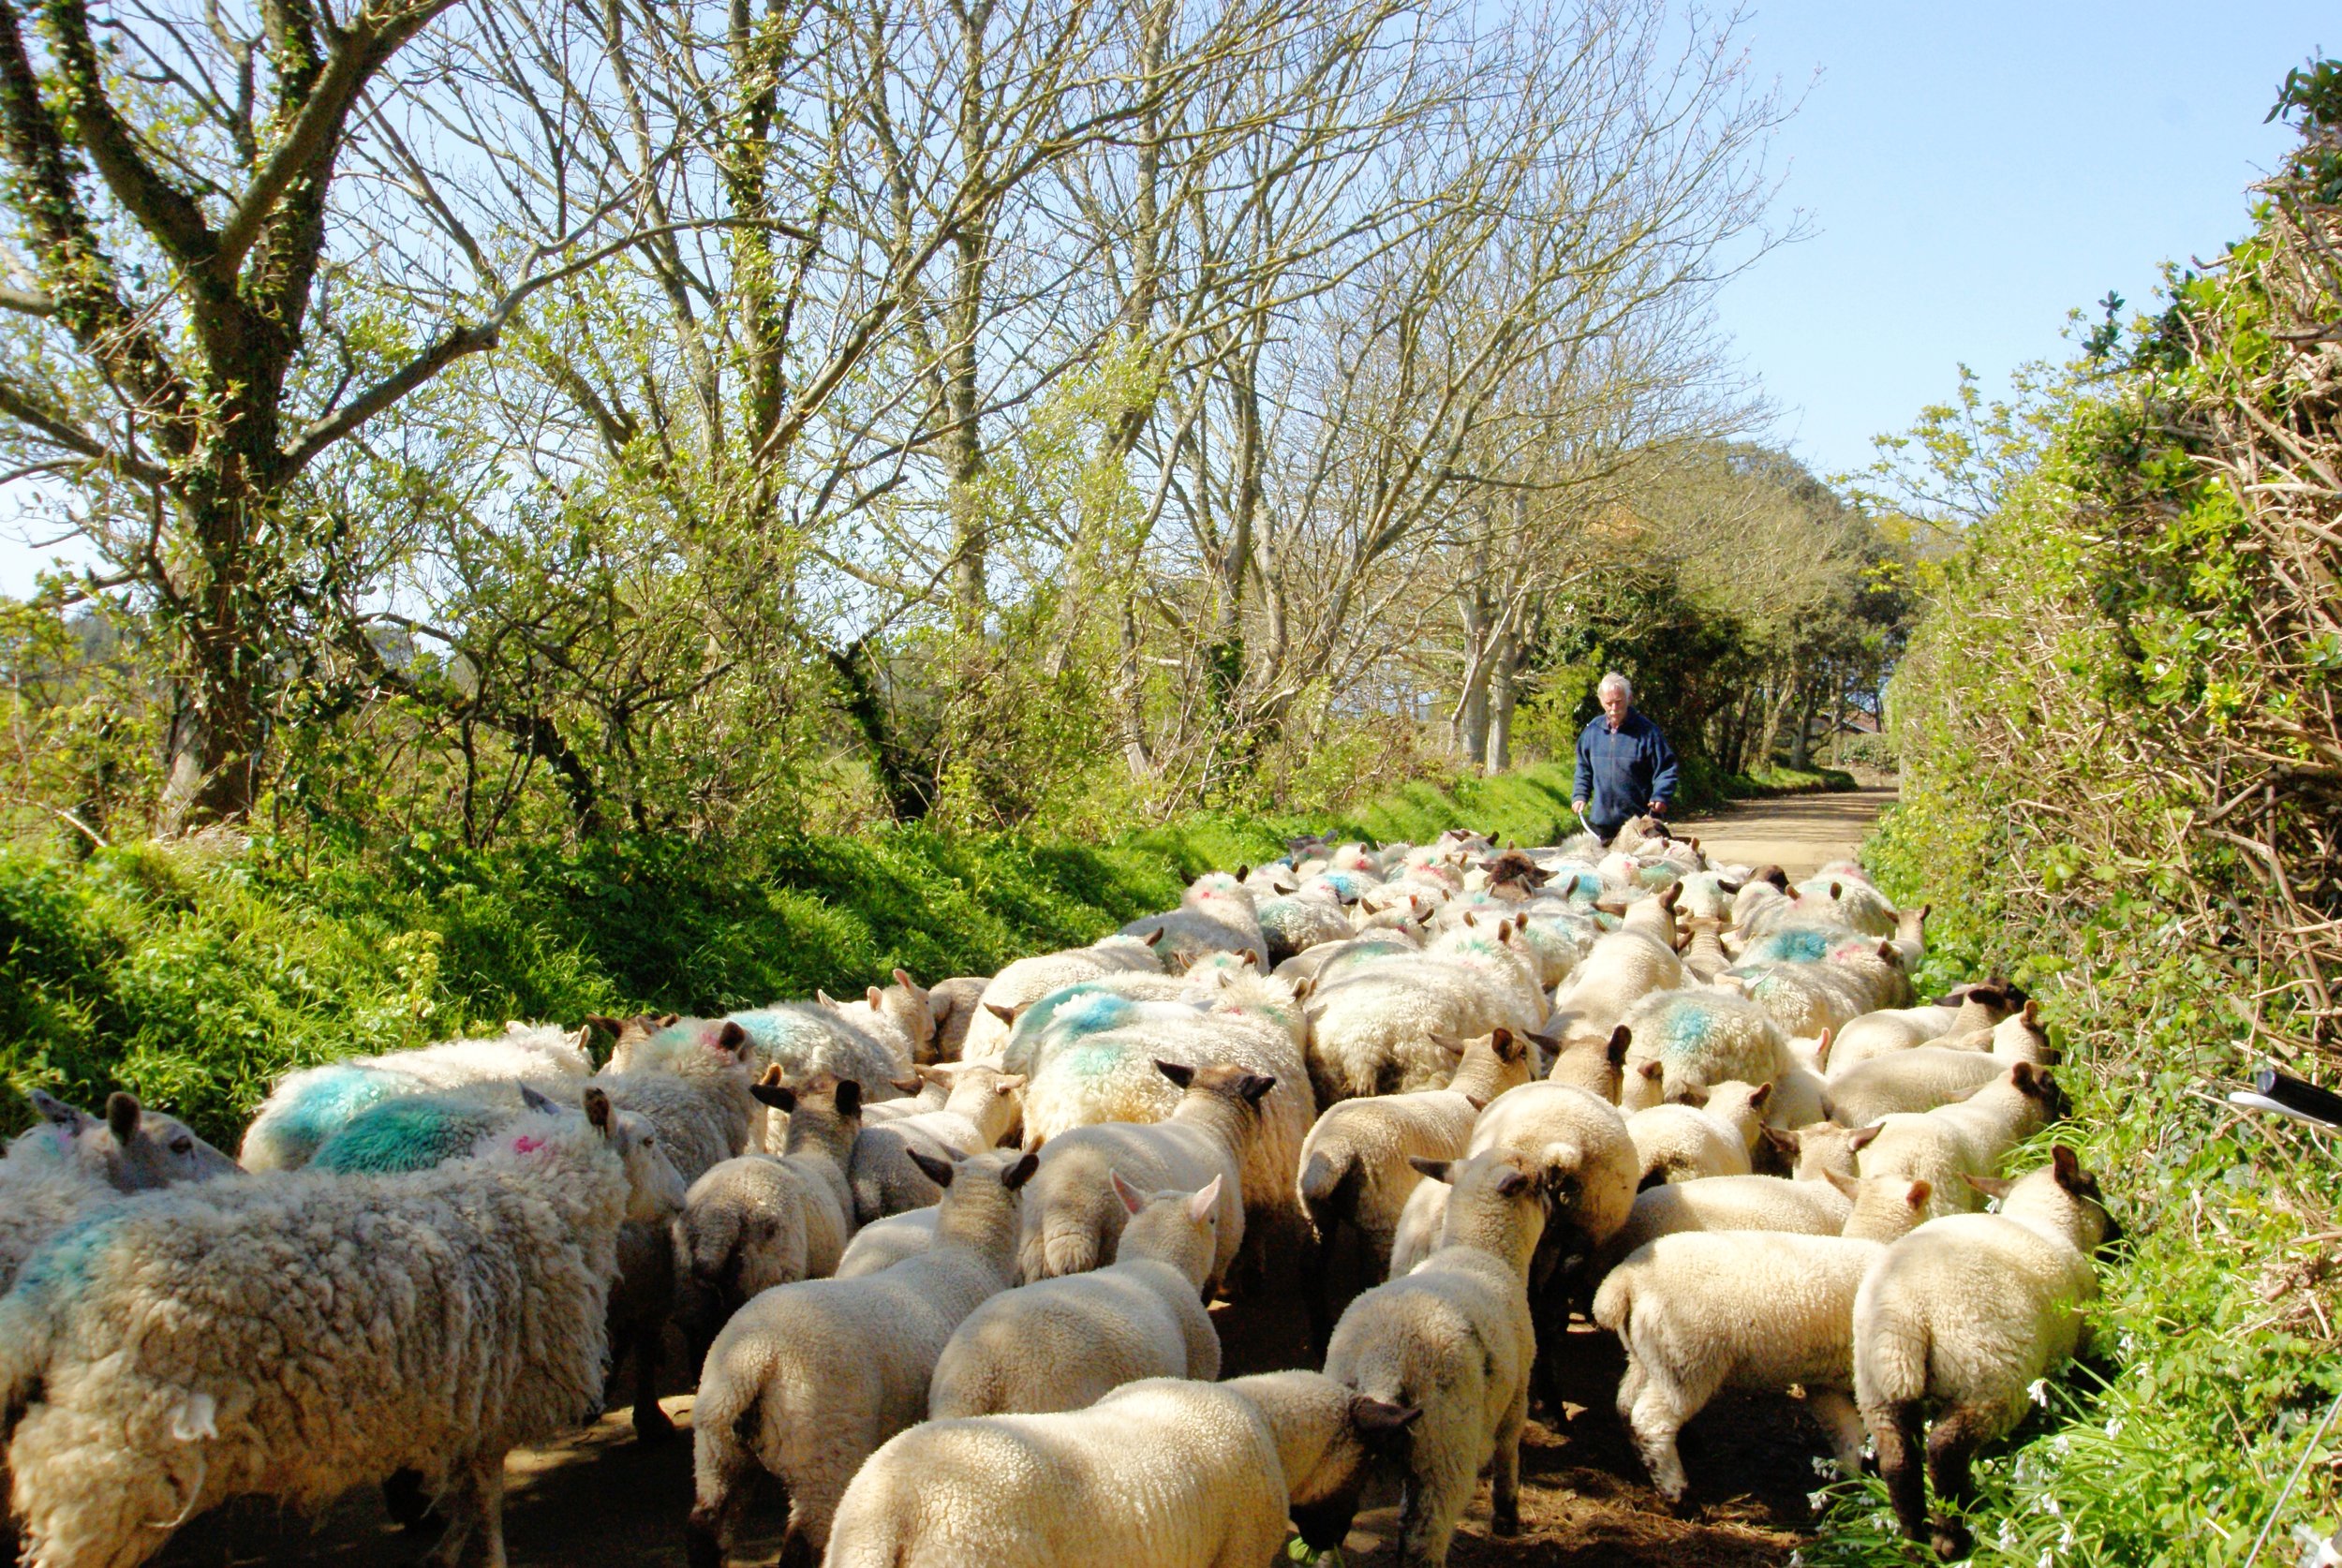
[1623, 966]
[1922, 1079]
[1060, 1344]
[1166, 1472]
[1964, 1011]
[1967, 1139]
[1292, 924]
[981, 1109]
[1697, 1039]
[1217, 914]
[1372, 1027]
[1595, 1065]
[953, 1004]
[758, 1220]
[1028, 980]
[1355, 1170]
[1848, 978]
[1821, 1148]
[305, 1107]
[1965, 1314]
[326, 1331]
[808, 1379]
[884, 1243]
[1071, 1217]
[874, 1041]
[1712, 1136]
[76, 1162]
[1454, 1339]
[1700, 1311]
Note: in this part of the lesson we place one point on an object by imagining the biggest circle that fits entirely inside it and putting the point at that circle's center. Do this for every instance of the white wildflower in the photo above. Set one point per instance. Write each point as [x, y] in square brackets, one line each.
[2047, 1560]
[1817, 1501]
[2115, 1428]
[2008, 1535]
[2038, 1392]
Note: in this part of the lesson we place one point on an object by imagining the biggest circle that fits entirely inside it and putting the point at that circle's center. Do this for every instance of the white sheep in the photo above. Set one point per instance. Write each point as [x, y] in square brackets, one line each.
[1071, 1217]
[758, 1220]
[1857, 905]
[1217, 914]
[978, 1113]
[1964, 1315]
[1697, 1039]
[1371, 1026]
[1593, 1064]
[696, 1090]
[808, 1379]
[1964, 1011]
[1321, 965]
[1921, 1079]
[1622, 967]
[305, 1107]
[1821, 1148]
[1700, 1311]
[1966, 1139]
[875, 1041]
[1060, 1344]
[326, 1331]
[1846, 978]
[1028, 980]
[1168, 1473]
[1454, 1339]
[1711, 1135]
[131, 1149]
[1302, 921]
[884, 1243]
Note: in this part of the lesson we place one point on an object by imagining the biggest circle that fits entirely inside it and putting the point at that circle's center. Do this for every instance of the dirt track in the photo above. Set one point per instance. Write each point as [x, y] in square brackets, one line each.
[601, 1499]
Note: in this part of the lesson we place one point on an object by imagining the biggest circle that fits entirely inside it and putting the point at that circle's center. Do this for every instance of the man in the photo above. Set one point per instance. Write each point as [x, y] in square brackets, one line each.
[1625, 766]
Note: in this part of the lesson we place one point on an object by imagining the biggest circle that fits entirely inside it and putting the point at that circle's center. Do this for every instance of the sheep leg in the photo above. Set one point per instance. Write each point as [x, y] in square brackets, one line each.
[1897, 1428]
[1658, 1413]
[1834, 1409]
[1505, 1485]
[1439, 1490]
[1952, 1444]
[720, 1464]
[488, 1485]
[652, 1425]
[466, 1503]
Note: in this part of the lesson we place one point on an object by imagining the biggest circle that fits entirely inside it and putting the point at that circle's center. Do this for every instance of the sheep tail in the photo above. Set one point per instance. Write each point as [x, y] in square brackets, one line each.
[1330, 1188]
[1066, 1243]
[1891, 1360]
[1614, 1302]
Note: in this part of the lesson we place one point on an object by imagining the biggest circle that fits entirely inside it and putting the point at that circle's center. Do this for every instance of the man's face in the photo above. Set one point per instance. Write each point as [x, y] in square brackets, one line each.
[1614, 706]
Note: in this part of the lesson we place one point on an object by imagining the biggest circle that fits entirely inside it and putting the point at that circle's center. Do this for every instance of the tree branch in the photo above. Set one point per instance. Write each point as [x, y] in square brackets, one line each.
[167, 213]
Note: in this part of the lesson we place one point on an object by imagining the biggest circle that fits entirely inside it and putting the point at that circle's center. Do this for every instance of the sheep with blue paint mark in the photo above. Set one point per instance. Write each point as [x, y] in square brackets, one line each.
[1302, 921]
[324, 1331]
[1008, 994]
[1372, 1027]
[75, 1162]
[1811, 980]
[1684, 1040]
[307, 1107]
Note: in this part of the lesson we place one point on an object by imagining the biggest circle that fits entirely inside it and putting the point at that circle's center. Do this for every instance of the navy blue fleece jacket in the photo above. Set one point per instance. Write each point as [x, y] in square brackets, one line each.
[1620, 772]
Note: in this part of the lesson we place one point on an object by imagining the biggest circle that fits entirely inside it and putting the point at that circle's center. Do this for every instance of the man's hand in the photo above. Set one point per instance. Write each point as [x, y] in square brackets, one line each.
[1658, 809]
[1579, 807]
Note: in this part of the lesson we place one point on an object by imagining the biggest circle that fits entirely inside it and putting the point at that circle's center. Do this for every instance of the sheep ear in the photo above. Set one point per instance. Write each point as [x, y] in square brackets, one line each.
[1728, 889]
[1620, 1038]
[1471, 919]
[1851, 1186]
[1436, 1169]
[1301, 990]
[902, 978]
[2068, 1166]
[732, 1037]
[1204, 1204]
[1132, 1199]
[1511, 1183]
[1477, 1101]
[1508, 1045]
[122, 1116]
[1863, 1137]
[1254, 1088]
[606, 1024]
[58, 1112]
[1008, 1082]
[538, 1102]
[1652, 1070]
[1005, 1014]
[1919, 1192]
[1891, 952]
[1991, 1186]
[1242, 872]
[848, 1098]
[1021, 1172]
[1671, 895]
[1155, 936]
[1785, 1142]
[597, 1111]
[770, 1090]
[1450, 1044]
[938, 1170]
[874, 996]
[1764, 1092]
[1835, 890]
[912, 1084]
[2020, 1074]
[823, 997]
[1822, 1042]
[1178, 1072]
[2032, 1012]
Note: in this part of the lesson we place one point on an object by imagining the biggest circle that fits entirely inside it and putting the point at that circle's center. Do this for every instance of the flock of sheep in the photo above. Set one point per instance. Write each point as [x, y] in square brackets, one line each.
[944, 1254]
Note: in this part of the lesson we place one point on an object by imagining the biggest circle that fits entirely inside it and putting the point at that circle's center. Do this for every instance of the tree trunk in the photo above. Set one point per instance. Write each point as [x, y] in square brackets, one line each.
[1801, 744]
[1502, 694]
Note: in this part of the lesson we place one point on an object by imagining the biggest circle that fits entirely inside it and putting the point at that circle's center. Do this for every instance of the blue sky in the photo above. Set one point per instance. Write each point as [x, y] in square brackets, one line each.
[1970, 172]
[1974, 170]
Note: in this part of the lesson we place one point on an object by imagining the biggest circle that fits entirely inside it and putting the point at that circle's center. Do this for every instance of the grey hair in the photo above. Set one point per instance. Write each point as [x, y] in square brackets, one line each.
[1625, 687]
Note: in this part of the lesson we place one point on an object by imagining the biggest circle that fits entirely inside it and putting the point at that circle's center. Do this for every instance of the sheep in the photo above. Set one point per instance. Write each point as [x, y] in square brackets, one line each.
[627, 1034]
[874, 1041]
[1846, 978]
[1695, 1040]
[1622, 966]
[76, 1162]
[1321, 965]
[1595, 1065]
[305, 1107]
[977, 1115]
[1802, 1092]
[1964, 1139]
[1763, 898]
[1855, 903]
[1922, 1079]
[1292, 924]
[955, 1003]
[1454, 1339]
[695, 1089]
[1910, 937]
[1703, 954]
[1965, 1314]
[1371, 1029]
[1060, 1344]
[884, 1243]
[1700, 1311]
[1093, 1006]
[326, 1331]
[757, 1220]
[1712, 1136]
[1821, 1149]
[1217, 914]
[1707, 896]
[808, 1379]
[1968, 1009]
[1071, 1217]
[1168, 1473]
[1354, 1169]
[1731, 1203]
[1028, 980]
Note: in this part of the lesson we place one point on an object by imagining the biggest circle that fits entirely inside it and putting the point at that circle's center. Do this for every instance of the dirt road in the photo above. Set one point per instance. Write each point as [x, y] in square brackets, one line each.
[602, 1499]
